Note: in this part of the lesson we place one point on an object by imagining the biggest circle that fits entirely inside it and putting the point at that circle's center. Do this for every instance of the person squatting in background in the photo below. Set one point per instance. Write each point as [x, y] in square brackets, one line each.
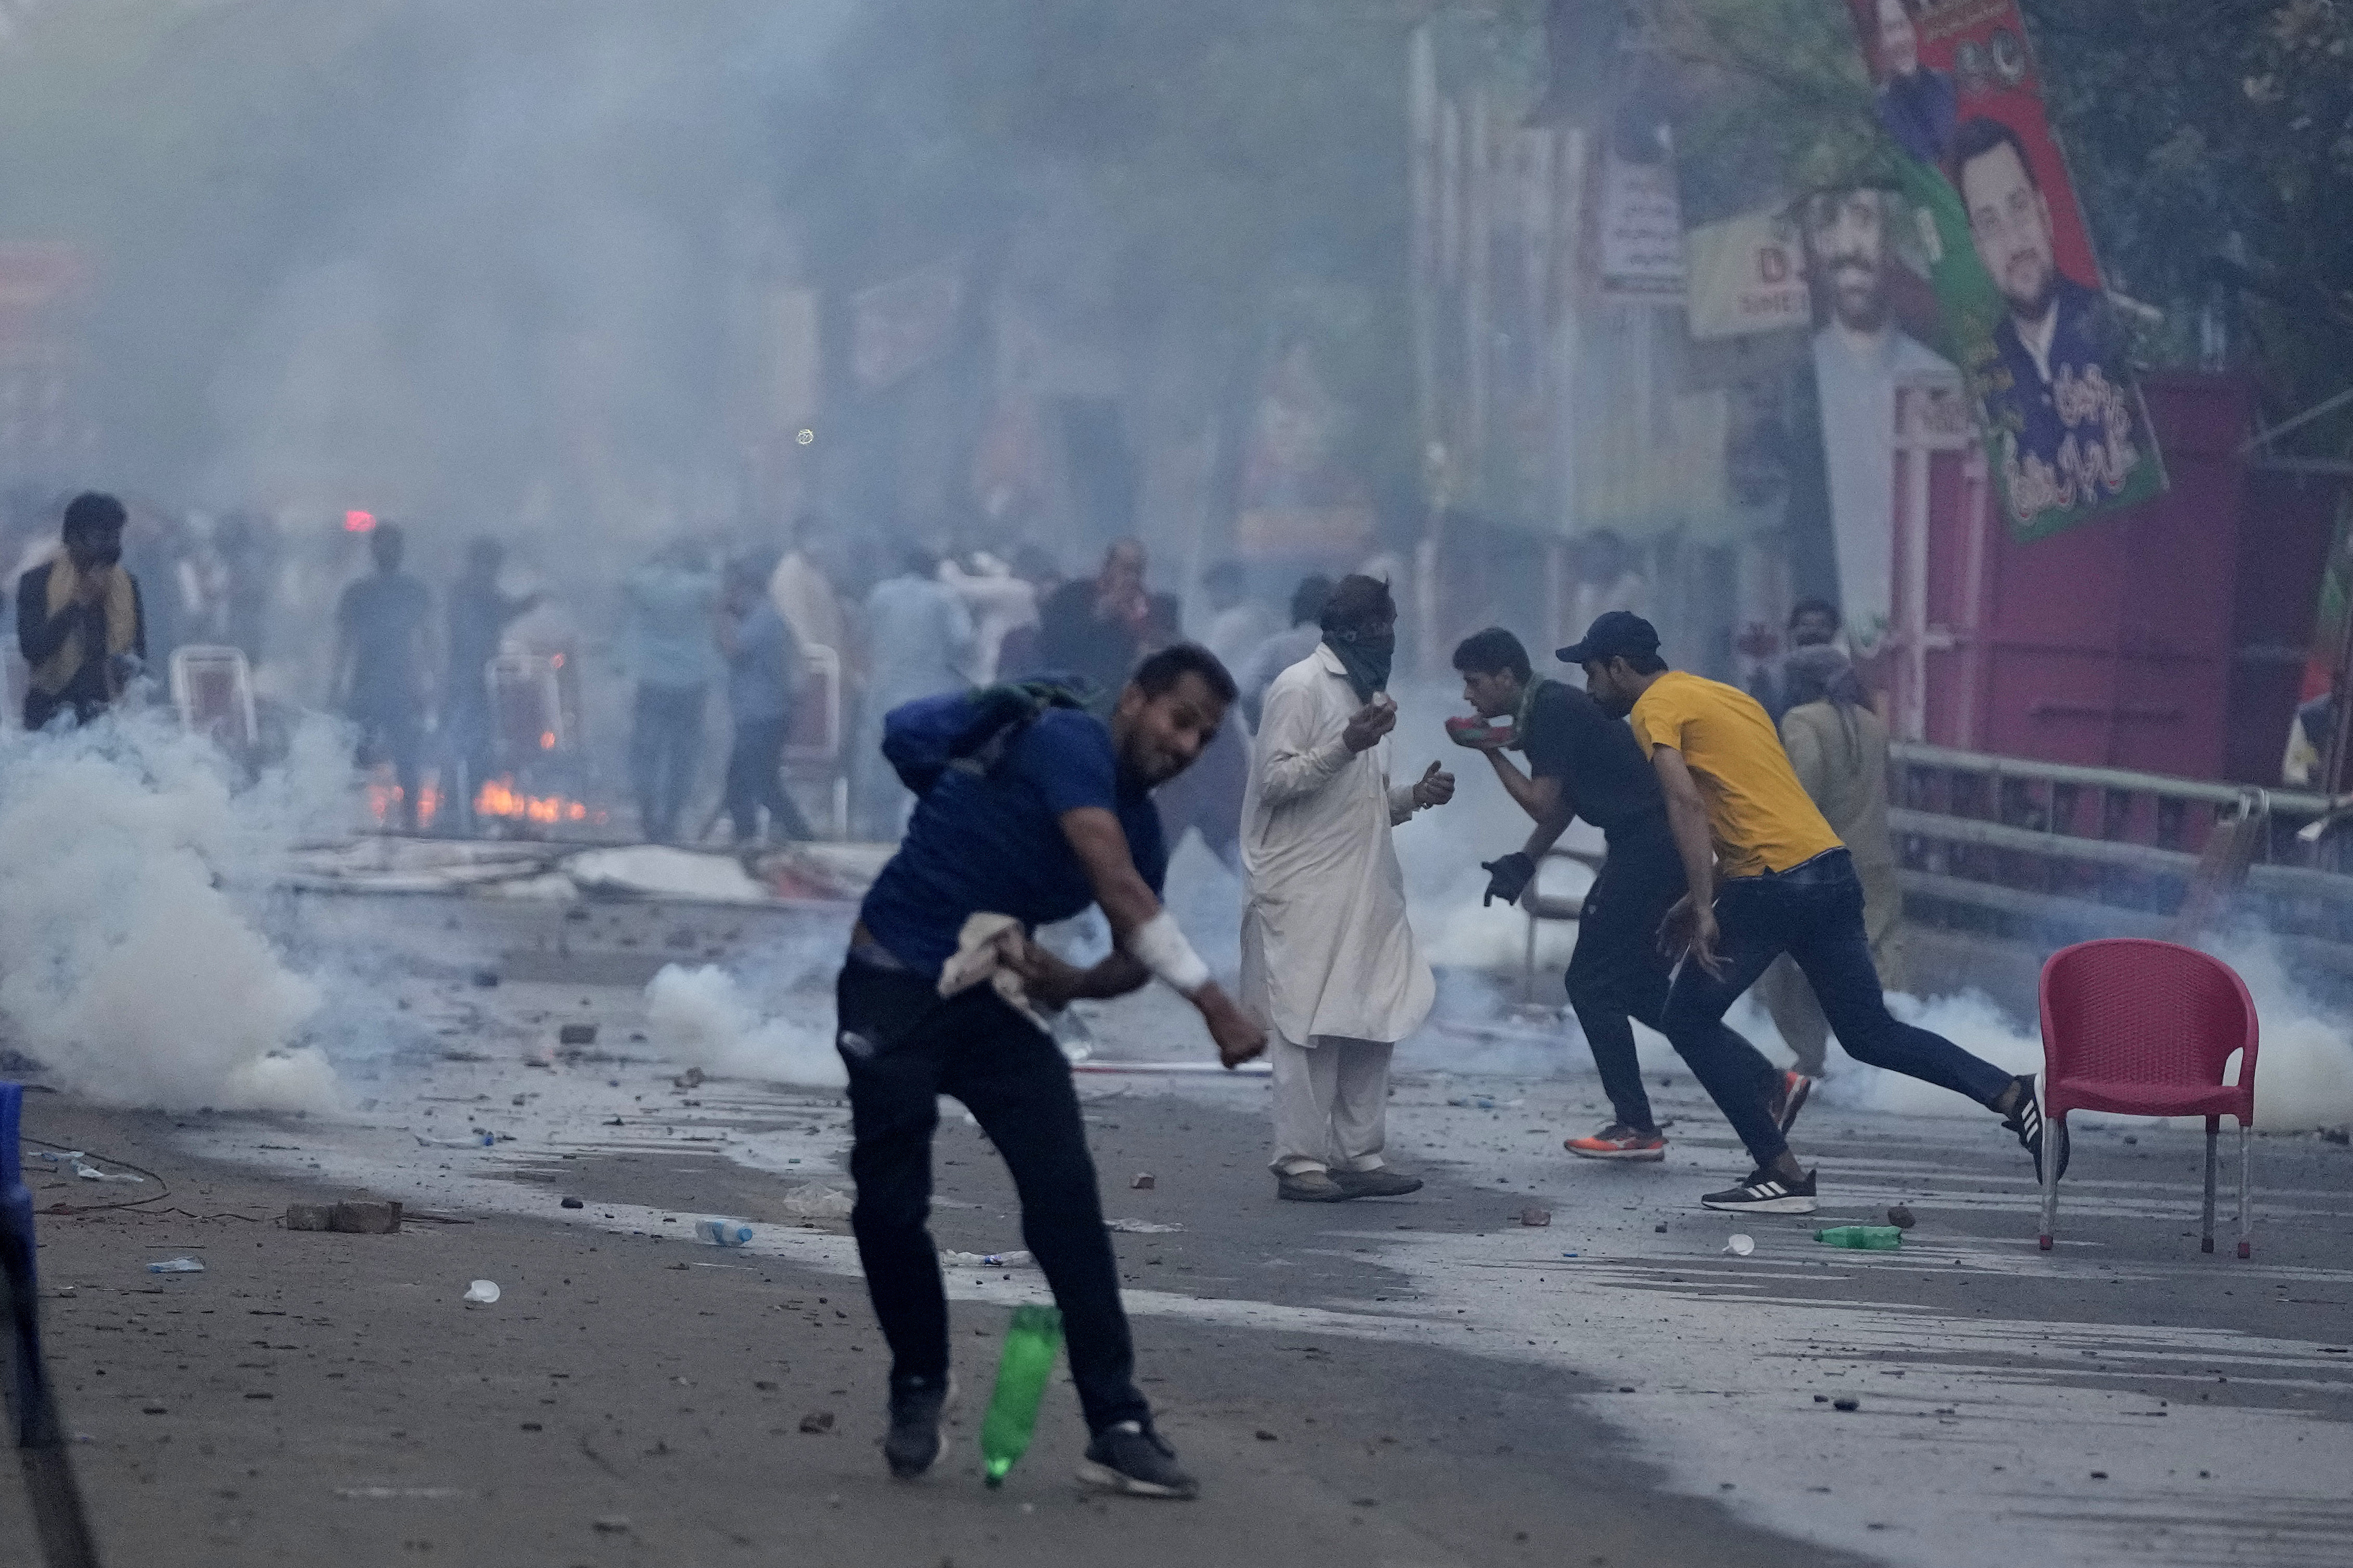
[383, 662]
[80, 622]
[1583, 762]
[1766, 877]
[1063, 820]
[1329, 962]
[1838, 748]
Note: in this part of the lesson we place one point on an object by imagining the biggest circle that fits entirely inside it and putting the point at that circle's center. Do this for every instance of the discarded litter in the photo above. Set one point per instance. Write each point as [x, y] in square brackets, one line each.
[817, 1420]
[176, 1266]
[481, 1140]
[1901, 1218]
[1144, 1183]
[817, 1202]
[986, 1259]
[1846, 1404]
[1740, 1246]
[691, 1078]
[576, 1034]
[723, 1231]
[90, 1172]
[482, 1292]
[1862, 1237]
[1140, 1227]
[574, 1204]
[1031, 1342]
[1535, 1216]
[1484, 1102]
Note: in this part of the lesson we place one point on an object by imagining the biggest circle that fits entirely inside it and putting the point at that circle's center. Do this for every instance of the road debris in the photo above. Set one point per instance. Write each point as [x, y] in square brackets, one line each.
[1144, 1181]
[176, 1266]
[482, 1292]
[1740, 1246]
[365, 1216]
[817, 1201]
[817, 1422]
[723, 1232]
[576, 1034]
[1535, 1216]
[1140, 1227]
[1901, 1218]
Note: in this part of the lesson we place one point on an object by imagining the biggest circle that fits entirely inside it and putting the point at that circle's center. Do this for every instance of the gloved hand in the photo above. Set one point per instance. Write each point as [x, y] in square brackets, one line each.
[1508, 878]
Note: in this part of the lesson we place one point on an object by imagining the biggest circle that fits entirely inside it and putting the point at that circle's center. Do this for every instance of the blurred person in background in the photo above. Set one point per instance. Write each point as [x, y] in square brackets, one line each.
[1608, 577]
[479, 613]
[80, 622]
[1814, 622]
[919, 638]
[999, 602]
[383, 660]
[1329, 963]
[1838, 747]
[1283, 649]
[1018, 654]
[248, 544]
[1237, 623]
[1095, 627]
[672, 601]
[764, 681]
[803, 589]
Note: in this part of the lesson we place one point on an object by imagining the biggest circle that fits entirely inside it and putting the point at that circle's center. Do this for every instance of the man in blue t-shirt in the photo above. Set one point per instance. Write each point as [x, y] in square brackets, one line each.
[1064, 819]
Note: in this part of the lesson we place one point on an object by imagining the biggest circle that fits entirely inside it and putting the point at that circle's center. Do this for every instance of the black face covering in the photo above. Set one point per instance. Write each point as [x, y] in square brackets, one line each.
[1365, 658]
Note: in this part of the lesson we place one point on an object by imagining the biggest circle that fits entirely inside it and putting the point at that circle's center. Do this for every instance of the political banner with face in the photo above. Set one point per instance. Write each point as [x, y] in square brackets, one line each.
[2019, 303]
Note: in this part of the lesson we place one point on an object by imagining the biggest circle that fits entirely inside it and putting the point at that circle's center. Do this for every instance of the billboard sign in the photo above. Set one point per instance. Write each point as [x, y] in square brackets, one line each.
[2023, 312]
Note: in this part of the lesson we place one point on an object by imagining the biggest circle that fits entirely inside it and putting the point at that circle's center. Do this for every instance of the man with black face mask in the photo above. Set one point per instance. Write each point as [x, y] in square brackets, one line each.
[79, 622]
[1328, 962]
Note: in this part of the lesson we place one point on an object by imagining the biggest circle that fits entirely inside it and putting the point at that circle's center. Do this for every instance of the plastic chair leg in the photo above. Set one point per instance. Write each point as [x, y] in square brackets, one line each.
[2053, 1129]
[2246, 1192]
[2206, 1228]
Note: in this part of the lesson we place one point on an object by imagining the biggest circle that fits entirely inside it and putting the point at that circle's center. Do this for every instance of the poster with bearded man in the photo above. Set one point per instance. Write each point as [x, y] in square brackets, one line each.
[2019, 303]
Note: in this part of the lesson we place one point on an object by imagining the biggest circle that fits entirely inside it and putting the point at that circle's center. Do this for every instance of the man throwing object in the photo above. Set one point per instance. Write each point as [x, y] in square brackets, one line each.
[1064, 819]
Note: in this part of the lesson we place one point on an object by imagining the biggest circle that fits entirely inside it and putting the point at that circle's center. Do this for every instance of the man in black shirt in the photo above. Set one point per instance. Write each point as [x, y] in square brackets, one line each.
[81, 624]
[382, 662]
[1582, 762]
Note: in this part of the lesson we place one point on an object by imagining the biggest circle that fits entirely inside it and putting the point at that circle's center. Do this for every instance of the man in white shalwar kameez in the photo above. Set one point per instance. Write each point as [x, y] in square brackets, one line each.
[1329, 963]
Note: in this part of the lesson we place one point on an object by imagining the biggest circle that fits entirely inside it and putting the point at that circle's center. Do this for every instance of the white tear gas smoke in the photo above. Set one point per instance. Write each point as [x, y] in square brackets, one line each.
[133, 970]
[703, 1017]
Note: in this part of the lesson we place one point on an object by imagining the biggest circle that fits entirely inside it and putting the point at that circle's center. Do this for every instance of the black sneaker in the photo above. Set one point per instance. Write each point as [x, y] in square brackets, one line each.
[916, 1406]
[2025, 1119]
[1764, 1193]
[1131, 1457]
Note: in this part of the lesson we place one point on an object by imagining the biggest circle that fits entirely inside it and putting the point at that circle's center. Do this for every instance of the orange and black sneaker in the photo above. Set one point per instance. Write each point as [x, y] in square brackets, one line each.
[1619, 1141]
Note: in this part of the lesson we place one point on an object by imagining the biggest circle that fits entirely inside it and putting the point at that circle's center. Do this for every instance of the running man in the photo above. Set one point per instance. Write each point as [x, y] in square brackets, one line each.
[1063, 820]
[1767, 875]
[1582, 762]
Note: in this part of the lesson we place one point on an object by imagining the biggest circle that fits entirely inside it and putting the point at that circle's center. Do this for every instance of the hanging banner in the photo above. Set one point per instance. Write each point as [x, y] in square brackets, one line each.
[2023, 312]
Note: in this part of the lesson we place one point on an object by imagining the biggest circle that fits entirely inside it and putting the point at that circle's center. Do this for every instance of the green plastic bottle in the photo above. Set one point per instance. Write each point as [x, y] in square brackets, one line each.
[1862, 1237]
[1031, 1342]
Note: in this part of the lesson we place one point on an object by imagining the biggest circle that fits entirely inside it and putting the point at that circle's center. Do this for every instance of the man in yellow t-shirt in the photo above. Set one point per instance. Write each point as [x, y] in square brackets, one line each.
[1766, 877]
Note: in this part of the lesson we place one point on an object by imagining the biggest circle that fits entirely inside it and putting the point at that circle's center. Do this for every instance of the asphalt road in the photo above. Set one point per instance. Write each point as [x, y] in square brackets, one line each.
[1423, 1380]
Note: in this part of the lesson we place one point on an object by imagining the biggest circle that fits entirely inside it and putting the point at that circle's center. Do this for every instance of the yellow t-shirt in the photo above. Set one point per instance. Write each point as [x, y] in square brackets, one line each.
[1760, 816]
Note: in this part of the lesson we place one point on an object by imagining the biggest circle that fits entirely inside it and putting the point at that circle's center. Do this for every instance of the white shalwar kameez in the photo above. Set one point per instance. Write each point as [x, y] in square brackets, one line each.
[1329, 963]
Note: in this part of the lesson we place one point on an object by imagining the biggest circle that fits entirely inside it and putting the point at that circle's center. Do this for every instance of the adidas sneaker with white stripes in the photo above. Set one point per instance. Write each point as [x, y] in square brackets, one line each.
[1764, 1193]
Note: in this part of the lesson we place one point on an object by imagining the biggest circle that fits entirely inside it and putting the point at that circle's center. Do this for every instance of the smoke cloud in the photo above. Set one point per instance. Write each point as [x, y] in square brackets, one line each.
[135, 971]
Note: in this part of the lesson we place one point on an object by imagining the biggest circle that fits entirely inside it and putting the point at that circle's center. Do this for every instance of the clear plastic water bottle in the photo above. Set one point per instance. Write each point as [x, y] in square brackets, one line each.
[723, 1231]
[1031, 1341]
[1862, 1237]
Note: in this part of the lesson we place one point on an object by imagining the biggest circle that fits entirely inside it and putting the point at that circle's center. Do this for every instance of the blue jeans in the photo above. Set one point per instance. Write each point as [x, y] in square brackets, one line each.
[1813, 912]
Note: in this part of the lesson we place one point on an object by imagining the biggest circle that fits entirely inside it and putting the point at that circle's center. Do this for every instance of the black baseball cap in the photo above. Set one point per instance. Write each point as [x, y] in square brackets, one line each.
[1611, 634]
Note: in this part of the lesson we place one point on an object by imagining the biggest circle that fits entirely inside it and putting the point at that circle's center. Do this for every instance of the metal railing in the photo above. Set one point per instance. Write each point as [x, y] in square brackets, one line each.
[2056, 851]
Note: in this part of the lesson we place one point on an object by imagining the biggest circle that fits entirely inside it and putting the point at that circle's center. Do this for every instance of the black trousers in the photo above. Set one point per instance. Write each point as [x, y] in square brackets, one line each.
[755, 778]
[904, 1047]
[1616, 973]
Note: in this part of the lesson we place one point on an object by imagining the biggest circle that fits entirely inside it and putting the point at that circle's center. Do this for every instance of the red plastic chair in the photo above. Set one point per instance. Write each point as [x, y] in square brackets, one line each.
[2146, 1028]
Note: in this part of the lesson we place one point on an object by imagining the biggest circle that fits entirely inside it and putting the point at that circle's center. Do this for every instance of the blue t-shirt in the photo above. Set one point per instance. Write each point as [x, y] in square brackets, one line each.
[997, 843]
